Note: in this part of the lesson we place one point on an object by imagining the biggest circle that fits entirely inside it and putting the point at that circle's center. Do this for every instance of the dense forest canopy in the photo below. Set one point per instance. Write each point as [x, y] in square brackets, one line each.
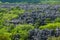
[40, 21]
[24, 21]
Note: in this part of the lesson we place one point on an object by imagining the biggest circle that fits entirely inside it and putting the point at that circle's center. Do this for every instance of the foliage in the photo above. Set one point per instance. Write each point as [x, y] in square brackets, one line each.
[5, 16]
[30, 20]
[23, 30]
[47, 20]
[54, 38]
[5, 36]
[50, 26]
[57, 19]
[8, 14]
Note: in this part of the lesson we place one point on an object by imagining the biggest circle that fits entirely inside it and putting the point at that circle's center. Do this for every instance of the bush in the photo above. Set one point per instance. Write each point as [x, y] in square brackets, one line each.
[23, 30]
[57, 20]
[5, 36]
[50, 26]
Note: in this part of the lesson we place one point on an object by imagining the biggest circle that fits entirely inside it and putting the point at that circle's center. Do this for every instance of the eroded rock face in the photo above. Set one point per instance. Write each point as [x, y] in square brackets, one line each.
[38, 34]
[37, 12]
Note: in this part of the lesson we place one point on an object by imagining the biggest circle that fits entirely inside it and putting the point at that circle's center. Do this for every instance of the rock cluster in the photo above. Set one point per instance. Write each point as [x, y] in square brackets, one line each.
[37, 13]
[37, 34]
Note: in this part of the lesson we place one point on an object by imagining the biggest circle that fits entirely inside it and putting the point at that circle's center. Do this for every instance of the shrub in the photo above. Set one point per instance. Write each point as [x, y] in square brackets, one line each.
[5, 36]
[57, 20]
[50, 26]
[23, 30]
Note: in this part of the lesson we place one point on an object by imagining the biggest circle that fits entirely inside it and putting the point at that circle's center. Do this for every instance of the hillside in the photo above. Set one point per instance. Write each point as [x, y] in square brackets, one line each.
[29, 22]
[29, 19]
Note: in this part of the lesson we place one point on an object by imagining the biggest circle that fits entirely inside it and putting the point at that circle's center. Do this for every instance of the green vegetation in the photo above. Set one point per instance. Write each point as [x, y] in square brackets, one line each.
[50, 26]
[23, 30]
[54, 38]
[8, 30]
